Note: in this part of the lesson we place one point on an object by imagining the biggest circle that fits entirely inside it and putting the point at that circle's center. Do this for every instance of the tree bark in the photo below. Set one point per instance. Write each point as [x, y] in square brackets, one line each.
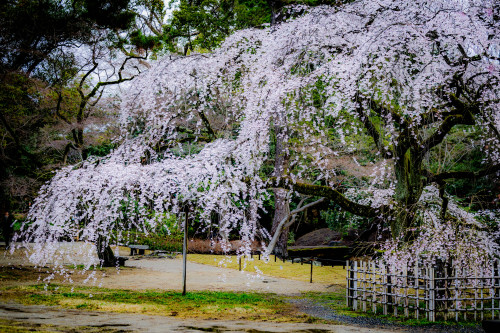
[409, 187]
[105, 253]
[281, 211]
[285, 223]
[281, 201]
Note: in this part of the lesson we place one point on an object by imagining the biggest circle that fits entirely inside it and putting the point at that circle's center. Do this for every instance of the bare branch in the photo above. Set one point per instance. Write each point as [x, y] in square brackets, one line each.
[277, 233]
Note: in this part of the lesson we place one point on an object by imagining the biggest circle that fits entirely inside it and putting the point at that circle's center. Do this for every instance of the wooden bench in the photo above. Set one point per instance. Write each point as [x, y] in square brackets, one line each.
[137, 249]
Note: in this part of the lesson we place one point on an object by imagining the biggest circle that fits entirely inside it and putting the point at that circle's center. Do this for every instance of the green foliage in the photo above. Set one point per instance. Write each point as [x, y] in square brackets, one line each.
[155, 241]
[22, 117]
[204, 24]
[102, 149]
[367, 156]
[166, 236]
[38, 73]
[31, 29]
[142, 41]
[341, 221]
[462, 150]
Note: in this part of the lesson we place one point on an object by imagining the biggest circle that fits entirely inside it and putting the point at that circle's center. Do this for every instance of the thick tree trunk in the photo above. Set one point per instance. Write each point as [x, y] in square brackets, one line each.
[105, 253]
[281, 211]
[281, 202]
[410, 183]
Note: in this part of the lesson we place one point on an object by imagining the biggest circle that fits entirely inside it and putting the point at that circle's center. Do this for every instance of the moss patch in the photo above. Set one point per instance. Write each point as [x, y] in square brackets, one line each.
[13, 326]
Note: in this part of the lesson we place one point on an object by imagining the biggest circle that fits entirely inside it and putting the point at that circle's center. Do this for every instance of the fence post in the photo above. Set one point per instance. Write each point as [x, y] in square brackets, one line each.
[496, 290]
[417, 291]
[432, 294]
[457, 291]
[406, 305]
[385, 299]
[475, 294]
[363, 265]
[439, 286]
[390, 307]
[349, 284]
[373, 271]
[355, 285]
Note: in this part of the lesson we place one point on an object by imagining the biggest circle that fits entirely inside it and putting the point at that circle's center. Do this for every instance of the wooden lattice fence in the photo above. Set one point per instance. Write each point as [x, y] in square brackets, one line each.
[437, 291]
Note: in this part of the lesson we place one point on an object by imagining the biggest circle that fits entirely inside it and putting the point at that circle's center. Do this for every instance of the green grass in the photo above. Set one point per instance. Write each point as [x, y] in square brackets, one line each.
[200, 304]
[326, 274]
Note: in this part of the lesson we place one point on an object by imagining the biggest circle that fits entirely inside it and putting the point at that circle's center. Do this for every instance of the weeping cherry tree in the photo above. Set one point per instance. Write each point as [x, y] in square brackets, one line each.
[401, 76]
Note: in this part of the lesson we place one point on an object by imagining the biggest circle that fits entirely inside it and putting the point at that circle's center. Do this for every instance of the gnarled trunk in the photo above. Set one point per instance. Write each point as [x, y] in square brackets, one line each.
[410, 183]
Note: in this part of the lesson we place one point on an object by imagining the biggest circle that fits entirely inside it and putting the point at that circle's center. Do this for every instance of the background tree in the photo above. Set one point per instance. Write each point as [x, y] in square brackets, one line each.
[44, 46]
[204, 25]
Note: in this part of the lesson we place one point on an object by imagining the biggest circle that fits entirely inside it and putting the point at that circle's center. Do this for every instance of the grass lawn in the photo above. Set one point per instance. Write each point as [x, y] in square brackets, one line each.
[321, 274]
[200, 304]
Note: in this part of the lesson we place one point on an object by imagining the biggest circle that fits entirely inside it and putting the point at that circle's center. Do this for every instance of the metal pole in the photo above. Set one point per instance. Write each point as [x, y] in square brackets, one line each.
[311, 280]
[184, 254]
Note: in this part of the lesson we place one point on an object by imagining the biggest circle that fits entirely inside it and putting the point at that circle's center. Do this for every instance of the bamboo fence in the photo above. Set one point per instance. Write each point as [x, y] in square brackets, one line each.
[438, 291]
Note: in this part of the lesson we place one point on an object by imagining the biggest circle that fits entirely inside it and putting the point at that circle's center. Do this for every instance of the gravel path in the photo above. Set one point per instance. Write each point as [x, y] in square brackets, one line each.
[321, 310]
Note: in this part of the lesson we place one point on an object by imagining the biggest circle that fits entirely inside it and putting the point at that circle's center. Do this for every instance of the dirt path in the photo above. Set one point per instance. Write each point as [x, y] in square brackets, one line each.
[81, 321]
[143, 273]
[167, 274]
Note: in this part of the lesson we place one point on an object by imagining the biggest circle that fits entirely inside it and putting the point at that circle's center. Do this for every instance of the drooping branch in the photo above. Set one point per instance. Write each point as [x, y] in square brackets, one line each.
[331, 194]
[462, 174]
